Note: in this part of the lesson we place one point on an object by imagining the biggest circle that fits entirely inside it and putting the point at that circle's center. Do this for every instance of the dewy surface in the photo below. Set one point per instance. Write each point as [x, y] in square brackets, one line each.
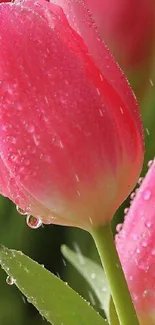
[68, 133]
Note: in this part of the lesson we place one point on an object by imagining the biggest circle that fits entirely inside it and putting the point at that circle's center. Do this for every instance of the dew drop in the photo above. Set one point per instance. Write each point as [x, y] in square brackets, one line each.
[77, 178]
[19, 107]
[148, 224]
[104, 289]
[146, 195]
[30, 128]
[119, 227]
[93, 276]
[151, 83]
[150, 163]
[144, 244]
[101, 77]
[78, 193]
[126, 210]
[147, 131]
[142, 265]
[91, 221]
[101, 112]
[135, 236]
[33, 222]
[3, 127]
[21, 211]
[36, 140]
[121, 110]
[138, 250]
[11, 139]
[98, 91]
[64, 262]
[14, 157]
[140, 180]
[135, 297]
[10, 280]
[132, 195]
[145, 293]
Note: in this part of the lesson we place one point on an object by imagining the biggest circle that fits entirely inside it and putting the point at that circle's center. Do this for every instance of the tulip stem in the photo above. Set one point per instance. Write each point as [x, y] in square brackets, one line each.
[119, 290]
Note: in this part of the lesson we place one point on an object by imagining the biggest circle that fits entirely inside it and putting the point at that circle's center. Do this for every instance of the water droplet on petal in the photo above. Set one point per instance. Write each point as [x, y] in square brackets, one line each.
[30, 128]
[147, 195]
[33, 222]
[132, 195]
[36, 139]
[119, 227]
[144, 244]
[135, 236]
[10, 280]
[142, 265]
[21, 211]
[150, 163]
[135, 297]
[11, 139]
[148, 224]
[140, 180]
[14, 158]
[126, 210]
[145, 293]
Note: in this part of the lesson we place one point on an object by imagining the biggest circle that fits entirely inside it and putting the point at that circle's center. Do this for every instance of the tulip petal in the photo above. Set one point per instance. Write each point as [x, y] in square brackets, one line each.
[136, 248]
[81, 21]
[64, 128]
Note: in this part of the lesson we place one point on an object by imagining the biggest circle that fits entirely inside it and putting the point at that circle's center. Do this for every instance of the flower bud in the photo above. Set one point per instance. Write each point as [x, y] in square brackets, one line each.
[136, 248]
[70, 134]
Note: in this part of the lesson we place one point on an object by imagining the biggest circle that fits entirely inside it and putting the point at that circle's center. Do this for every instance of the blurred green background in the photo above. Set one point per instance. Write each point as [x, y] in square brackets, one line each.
[43, 244]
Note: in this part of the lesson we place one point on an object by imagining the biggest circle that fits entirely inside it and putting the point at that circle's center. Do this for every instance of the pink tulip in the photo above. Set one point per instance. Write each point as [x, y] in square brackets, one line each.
[128, 28]
[70, 136]
[136, 248]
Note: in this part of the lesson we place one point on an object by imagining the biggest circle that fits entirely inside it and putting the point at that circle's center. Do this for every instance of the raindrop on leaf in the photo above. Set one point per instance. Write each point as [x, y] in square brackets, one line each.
[10, 280]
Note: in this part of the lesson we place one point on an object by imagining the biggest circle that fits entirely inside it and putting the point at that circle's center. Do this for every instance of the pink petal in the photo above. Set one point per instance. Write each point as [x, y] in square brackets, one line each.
[136, 247]
[66, 135]
[118, 21]
[81, 20]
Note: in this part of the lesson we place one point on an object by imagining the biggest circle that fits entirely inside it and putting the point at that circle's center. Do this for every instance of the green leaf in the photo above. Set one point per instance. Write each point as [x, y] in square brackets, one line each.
[55, 300]
[94, 275]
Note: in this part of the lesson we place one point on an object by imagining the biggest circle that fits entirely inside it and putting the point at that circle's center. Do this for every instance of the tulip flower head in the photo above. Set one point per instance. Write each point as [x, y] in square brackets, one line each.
[128, 28]
[136, 248]
[70, 133]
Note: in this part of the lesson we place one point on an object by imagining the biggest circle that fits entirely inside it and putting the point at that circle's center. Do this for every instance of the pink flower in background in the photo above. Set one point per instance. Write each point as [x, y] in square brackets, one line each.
[128, 29]
[70, 134]
[136, 248]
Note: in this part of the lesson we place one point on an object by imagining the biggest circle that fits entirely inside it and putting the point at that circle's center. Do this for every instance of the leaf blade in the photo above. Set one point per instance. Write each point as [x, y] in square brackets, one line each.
[57, 302]
[93, 274]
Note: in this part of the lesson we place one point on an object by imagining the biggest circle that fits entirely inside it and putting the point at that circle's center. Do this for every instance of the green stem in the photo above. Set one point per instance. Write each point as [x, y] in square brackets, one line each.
[119, 290]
